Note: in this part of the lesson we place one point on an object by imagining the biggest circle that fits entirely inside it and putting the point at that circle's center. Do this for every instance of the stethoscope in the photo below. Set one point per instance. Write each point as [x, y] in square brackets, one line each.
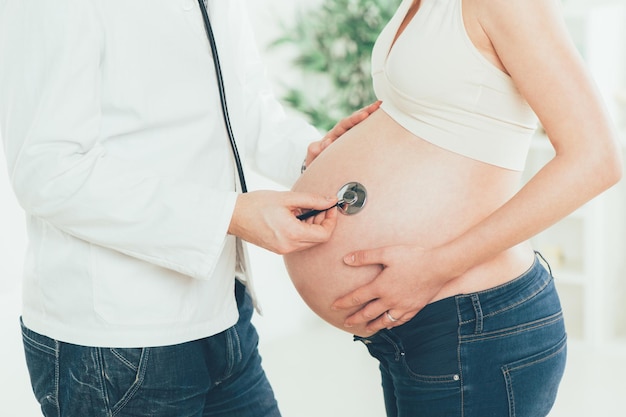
[220, 87]
[351, 197]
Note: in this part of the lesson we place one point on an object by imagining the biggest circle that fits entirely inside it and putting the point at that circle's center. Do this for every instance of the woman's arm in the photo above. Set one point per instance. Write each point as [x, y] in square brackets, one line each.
[531, 40]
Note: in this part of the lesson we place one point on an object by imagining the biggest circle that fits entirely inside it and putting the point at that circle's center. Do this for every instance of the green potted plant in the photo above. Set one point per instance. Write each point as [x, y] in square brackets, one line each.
[333, 44]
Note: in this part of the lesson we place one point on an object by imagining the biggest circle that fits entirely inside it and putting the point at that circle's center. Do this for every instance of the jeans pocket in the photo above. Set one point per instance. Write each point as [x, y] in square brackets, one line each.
[123, 371]
[451, 378]
[41, 360]
[433, 360]
[532, 383]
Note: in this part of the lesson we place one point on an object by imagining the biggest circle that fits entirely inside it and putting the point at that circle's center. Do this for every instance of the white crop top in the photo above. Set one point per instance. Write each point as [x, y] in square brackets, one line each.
[437, 85]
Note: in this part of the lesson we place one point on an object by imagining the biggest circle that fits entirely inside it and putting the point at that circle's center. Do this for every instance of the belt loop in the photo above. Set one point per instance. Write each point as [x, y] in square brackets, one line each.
[545, 262]
[478, 311]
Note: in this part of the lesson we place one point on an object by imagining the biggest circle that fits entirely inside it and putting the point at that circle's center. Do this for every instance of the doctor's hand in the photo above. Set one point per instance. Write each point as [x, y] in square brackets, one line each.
[316, 148]
[268, 219]
[407, 282]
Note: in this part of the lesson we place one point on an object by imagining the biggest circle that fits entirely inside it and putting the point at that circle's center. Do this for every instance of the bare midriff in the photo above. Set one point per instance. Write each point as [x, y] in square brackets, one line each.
[417, 193]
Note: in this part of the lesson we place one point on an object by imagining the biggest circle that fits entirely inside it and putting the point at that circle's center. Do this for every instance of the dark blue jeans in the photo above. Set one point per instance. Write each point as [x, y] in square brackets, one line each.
[220, 376]
[499, 353]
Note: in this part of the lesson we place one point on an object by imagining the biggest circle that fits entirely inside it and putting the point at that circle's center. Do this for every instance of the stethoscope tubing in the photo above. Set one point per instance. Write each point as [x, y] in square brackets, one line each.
[312, 213]
[222, 91]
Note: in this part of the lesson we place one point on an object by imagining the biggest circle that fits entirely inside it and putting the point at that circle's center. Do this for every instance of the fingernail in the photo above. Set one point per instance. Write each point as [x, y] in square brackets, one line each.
[348, 325]
[349, 259]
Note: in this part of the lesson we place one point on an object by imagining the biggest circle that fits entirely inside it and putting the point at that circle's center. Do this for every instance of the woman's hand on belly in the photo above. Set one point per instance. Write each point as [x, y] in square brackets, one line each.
[316, 148]
[407, 282]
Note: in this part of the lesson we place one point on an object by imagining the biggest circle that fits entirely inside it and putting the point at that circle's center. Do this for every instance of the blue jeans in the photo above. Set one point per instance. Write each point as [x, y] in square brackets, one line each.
[499, 352]
[220, 375]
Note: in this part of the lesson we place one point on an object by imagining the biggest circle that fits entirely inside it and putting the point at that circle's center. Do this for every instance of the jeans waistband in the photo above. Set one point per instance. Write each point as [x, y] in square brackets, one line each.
[447, 314]
[506, 296]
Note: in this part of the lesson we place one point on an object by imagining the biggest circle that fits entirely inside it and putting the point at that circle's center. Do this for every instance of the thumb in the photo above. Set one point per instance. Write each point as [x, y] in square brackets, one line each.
[313, 201]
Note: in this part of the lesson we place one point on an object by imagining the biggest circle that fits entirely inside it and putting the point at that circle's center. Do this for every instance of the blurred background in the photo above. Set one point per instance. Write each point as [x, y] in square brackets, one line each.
[317, 56]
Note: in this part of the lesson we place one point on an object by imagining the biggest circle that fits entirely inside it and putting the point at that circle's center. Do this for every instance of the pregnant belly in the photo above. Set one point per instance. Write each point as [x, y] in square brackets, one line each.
[416, 193]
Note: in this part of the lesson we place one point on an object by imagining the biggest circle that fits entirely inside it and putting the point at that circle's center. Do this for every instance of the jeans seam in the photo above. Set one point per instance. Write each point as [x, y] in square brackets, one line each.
[399, 352]
[510, 393]
[478, 313]
[537, 324]
[400, 356]
[57, 375]
[426, 379]
[233, 353]
[531, 296]
[562, 342]
[38, 345]
[122, 359]
[510, 306]
[460, 368]
[141, 373]
[506, 371]
[101, 378]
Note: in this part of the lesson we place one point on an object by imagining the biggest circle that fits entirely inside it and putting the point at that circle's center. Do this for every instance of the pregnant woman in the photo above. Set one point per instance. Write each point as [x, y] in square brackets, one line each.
[434, 274]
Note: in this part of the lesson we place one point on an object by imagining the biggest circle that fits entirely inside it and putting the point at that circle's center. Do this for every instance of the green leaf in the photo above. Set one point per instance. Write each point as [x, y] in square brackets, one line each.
[334, 41]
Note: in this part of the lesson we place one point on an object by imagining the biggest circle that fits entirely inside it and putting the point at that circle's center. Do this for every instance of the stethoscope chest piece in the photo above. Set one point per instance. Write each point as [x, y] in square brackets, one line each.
[354, 196]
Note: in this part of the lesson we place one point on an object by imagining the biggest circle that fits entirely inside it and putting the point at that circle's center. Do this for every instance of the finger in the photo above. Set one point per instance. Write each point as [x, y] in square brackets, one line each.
[319, 230]
[366, 257]
[358, 297]
[319, 218]
[325, 216]
[371, 108]
[384, 322]
[369, 313]
[314, 149]
[364, 112]
[296, 201]
[345, 124]
[349, 122]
